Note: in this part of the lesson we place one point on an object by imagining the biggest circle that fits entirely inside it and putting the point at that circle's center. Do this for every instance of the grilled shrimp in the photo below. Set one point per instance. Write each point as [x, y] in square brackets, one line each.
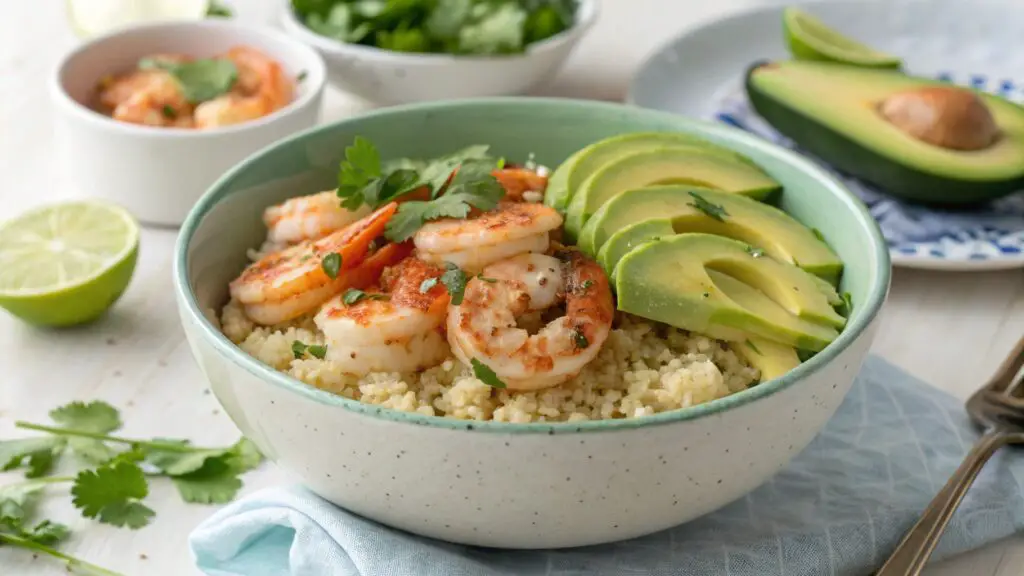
[150, 97]
[519, 183]
[397, 327]
[510, 229]
[484, 326]
[261, 88]
[284, 285]
[308, 218]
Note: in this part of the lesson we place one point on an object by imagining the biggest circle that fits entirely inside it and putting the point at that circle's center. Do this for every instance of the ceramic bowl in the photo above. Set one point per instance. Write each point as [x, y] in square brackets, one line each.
[388, 77]
[159, 173]
[538, 485]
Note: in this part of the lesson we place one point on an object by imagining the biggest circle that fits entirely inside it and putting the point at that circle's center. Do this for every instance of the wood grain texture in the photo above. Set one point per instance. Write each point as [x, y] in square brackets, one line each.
[948, 329]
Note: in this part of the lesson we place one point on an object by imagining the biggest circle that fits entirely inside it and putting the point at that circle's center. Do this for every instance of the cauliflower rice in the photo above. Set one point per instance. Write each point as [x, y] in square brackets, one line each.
[643, 368]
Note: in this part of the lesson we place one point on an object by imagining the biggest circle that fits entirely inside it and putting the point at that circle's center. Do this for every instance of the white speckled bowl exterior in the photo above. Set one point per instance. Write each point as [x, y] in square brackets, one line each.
[540, 485]
[387, 77]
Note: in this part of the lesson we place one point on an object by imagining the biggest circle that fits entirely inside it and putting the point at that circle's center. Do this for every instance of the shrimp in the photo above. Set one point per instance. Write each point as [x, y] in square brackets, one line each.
[308, 218]
[261, 88]
[510, 229]
[150, 97]
[284, 285]
[398, 327]
[519, 183]
[484, 328]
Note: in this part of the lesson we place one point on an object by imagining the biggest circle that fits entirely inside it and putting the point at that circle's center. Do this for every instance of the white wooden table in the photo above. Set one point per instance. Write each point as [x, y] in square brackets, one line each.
[948, 329]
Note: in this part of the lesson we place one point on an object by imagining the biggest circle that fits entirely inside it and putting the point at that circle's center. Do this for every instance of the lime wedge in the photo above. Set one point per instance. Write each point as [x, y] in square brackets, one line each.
[90, 18]
[810, 39]
[65, 264]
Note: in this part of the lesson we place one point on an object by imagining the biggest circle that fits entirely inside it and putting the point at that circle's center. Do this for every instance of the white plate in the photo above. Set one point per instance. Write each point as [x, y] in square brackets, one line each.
[973, 42]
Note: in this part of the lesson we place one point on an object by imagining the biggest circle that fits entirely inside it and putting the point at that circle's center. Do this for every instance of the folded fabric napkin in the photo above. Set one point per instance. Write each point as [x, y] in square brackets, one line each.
[839, 508]
[992, 230]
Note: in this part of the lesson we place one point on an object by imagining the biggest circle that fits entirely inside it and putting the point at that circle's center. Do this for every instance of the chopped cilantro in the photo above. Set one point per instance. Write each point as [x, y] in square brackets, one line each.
[587, 284]
[440, 26]
[579, 338]
[753, 347]
[298, 349]
[486, 279]
[713, 210]
[454, 280]
[169, 112]
[218, 10]
[331, 263]
[317, 351]
[755, 252]
[301, 76]
[483, 373]
[354, 295]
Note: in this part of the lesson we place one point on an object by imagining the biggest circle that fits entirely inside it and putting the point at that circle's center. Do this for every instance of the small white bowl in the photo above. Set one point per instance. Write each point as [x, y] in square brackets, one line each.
[389, 77]
[157, 173]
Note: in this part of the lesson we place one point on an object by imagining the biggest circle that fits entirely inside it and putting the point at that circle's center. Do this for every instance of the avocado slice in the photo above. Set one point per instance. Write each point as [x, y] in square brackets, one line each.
[771, 358]
[835, 112]
[571, 173]
[712, 285]
[667, 210]
[662, 166]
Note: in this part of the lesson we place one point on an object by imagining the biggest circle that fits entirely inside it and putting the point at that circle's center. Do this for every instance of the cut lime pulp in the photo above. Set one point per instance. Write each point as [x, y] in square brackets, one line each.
[66, 264]
[810, 39]
[90, 18]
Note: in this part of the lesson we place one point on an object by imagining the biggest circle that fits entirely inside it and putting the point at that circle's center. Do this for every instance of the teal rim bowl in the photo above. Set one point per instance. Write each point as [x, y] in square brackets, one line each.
[552, 128]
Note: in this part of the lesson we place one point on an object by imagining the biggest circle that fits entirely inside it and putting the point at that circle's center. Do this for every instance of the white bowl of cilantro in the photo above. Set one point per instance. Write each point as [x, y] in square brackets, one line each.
[155, 147]
[421, 50]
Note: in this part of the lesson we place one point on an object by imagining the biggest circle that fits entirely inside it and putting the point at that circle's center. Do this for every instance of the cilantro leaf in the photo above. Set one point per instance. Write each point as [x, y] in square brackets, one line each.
[436, 173]
[454, 280]
[483, 373]
[181, 463]
[46, 533]
[355, 295]
[218, 10]
[755, 252]
[37, 454]
[711, 209]
[331, 263]
[317, 351]
[216, 482]
[96, 416]
[243, 456]
[199, 80]
[16, 501]
[445, 21]
[112, 493]
[360, 168]
[580, 339]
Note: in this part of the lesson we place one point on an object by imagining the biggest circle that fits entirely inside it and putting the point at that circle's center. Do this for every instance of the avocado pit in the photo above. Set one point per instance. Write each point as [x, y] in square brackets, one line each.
[943, 116]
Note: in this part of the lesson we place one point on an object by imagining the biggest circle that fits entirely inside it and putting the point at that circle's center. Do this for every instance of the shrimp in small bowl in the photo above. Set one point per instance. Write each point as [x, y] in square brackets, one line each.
[149, 117]
[472, 376]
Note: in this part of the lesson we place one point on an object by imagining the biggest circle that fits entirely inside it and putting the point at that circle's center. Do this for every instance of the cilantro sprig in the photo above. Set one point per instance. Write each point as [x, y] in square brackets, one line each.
[713, 210]
[112, 488]
[485, 374]
[363, 179]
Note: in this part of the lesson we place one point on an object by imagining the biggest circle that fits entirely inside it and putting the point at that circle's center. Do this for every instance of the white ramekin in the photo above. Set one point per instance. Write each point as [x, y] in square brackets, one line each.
[159, 173]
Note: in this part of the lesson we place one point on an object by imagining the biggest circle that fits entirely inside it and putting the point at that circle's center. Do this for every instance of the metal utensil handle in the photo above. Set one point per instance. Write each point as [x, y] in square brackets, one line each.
[913, 552]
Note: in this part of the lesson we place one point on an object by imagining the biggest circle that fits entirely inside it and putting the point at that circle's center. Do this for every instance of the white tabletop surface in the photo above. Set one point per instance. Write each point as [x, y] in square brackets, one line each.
[948, 329]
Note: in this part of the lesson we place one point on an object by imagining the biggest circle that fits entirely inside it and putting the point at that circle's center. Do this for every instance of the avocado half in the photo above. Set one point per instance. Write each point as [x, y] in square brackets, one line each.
[831, 111]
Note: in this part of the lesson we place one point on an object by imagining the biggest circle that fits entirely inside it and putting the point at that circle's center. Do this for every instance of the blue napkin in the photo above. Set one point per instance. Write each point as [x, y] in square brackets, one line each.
[995, 230]
[839, 508]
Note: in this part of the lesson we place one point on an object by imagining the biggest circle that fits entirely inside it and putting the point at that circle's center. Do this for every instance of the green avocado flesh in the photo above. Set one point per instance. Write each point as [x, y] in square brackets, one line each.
[663, 166]
[571, 173]
[713, 285]
[640, 215]
[770, 358]
[830, 110]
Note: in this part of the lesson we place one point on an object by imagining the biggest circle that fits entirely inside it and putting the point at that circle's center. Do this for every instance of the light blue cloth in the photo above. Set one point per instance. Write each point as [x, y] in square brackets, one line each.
[838, 509]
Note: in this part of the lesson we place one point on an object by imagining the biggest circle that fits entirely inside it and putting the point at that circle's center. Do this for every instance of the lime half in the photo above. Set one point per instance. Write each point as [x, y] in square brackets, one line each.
[90, 18]
[810, 39]
[65, 264]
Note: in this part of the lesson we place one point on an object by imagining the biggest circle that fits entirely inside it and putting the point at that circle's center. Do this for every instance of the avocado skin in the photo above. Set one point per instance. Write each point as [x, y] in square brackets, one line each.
[852, 159]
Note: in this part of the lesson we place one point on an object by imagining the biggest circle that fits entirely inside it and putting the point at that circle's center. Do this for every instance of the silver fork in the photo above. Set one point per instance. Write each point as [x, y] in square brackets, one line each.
[998, 409]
